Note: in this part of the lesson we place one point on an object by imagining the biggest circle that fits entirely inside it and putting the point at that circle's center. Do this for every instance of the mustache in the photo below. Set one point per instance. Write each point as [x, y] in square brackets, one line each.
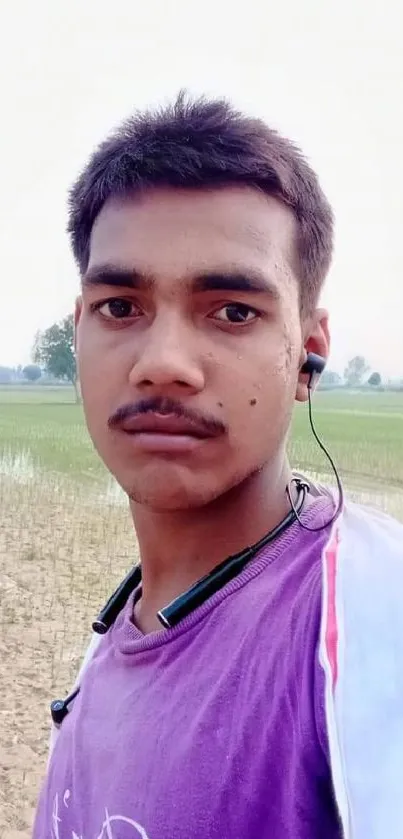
[158, 405]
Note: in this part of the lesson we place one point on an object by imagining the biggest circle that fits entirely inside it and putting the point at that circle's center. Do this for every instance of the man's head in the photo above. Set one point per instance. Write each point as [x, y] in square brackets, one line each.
[203, 240]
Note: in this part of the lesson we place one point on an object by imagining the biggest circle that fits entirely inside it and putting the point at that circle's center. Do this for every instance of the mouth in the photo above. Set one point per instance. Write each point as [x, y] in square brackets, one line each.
[166, 433]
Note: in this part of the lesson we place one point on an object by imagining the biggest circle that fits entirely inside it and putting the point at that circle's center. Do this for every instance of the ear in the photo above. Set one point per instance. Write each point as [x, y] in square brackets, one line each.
[77, 316]
[316, 340]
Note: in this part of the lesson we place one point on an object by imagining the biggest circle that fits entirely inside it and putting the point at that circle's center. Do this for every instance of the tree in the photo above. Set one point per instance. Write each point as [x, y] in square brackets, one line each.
[329, 378]
[6, 375]
[32, 372]
[355, 371]
[375, 379]
[54, 350]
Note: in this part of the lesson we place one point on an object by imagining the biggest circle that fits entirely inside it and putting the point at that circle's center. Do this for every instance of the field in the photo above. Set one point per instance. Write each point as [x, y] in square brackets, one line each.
[66, 539]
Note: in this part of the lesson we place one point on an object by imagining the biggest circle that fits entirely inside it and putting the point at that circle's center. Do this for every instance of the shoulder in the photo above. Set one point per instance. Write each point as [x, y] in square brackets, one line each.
[361, 520]
[369, 545]
[361, 632]
[363, 584]
[362, 580]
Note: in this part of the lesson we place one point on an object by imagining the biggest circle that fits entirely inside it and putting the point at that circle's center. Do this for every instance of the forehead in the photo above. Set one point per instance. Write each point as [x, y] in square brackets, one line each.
[175, 233]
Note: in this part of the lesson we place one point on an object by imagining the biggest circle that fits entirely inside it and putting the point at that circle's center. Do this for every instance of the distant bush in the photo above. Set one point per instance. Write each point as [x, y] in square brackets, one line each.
[32, 372]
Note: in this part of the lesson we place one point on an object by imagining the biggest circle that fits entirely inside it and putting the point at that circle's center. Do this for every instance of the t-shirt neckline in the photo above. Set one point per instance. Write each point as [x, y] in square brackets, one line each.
[129, 639]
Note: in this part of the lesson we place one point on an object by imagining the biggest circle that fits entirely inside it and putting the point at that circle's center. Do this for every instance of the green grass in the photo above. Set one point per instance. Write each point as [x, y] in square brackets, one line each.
[45, 425]
[36, 394]
[364, 433]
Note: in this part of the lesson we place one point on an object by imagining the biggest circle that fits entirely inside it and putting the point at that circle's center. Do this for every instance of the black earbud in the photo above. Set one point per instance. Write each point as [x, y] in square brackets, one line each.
[313, 366]
[59, 708]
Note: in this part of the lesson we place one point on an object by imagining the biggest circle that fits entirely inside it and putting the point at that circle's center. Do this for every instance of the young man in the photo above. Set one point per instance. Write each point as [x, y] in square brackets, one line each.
[203, 239]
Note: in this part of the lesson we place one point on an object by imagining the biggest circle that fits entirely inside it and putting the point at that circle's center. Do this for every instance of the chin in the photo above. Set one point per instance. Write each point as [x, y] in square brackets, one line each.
[172, 489]
[169, 499]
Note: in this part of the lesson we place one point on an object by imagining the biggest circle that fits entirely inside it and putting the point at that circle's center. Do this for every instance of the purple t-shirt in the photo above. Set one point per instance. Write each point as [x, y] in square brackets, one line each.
[212, 729]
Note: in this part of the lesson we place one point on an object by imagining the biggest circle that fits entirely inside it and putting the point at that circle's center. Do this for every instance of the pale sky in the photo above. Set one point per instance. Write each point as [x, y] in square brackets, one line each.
[327, 74]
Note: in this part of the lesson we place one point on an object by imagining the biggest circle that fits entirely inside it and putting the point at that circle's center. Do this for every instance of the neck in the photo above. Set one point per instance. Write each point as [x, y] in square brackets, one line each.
[178, 548]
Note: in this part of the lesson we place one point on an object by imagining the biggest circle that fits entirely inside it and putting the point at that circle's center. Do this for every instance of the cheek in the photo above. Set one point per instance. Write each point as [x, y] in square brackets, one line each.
[100, 362]
[258, 399]
[101, 383]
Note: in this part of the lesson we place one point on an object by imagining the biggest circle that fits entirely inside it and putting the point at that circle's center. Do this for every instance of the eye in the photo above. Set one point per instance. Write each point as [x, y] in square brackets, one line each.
[236, 313]
[117, 308]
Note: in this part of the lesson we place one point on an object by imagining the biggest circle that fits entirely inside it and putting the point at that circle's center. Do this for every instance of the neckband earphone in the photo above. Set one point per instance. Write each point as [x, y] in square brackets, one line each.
[203, 589]
[187, 602]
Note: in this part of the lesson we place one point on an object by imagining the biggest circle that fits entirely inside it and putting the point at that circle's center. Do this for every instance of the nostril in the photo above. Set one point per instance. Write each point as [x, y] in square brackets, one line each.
[150, 383]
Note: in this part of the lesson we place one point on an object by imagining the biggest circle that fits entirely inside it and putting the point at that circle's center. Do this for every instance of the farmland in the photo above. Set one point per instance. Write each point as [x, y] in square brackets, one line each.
[66, 539]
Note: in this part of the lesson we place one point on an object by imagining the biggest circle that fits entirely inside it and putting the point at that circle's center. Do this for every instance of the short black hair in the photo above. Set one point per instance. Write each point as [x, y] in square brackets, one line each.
[202, 143]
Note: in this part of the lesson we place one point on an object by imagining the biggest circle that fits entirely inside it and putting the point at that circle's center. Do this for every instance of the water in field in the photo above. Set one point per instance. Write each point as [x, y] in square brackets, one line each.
[18, 465]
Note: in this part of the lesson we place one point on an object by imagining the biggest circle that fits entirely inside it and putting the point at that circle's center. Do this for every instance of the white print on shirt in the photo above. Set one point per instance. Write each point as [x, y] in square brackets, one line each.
[107, 830]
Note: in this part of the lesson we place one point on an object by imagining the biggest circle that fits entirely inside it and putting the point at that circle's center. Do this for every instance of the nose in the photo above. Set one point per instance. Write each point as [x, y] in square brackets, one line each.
[167, 360]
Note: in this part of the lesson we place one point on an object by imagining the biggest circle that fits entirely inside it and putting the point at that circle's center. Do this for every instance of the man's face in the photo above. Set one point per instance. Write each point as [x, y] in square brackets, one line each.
[190, 311]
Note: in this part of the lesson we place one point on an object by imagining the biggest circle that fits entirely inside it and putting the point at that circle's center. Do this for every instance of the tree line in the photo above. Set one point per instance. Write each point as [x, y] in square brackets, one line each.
[357, 374]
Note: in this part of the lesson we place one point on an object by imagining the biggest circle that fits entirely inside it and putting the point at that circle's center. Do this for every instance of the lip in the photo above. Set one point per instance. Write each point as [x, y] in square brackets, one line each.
[166, 425]
[165, 434]
[166, 444]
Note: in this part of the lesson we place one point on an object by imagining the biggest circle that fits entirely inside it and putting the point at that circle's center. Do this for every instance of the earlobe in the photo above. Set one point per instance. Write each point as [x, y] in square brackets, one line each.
[314, 355]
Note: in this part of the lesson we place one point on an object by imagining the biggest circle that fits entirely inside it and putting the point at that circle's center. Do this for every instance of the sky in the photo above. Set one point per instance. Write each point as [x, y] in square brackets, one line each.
[327, 74]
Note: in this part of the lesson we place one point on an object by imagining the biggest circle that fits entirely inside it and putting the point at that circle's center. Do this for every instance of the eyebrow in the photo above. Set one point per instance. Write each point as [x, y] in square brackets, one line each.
[244, 280]
[110, 275]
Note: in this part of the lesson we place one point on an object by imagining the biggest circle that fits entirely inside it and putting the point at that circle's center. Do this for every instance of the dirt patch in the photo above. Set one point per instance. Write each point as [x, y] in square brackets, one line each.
[61, 554]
